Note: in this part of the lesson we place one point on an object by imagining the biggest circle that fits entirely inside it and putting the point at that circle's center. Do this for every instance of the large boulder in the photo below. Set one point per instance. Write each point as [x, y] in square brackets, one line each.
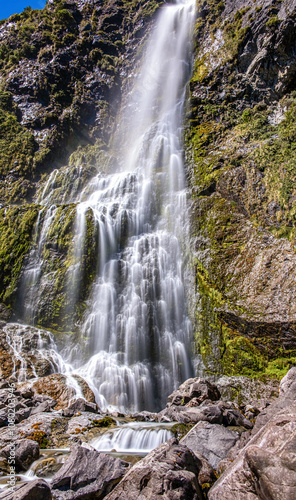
[265, 467]
[211, 440]
[34, 490]
[170, 471]
[199, 389]
[26, 452]
[87, 474]
[209, 413]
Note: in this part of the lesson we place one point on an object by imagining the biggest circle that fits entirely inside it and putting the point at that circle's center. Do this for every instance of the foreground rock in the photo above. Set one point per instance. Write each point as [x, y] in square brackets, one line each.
[87, 474]
[169, 471]
[26, 451]
[211, 440]
[34, 490]
[265, 467]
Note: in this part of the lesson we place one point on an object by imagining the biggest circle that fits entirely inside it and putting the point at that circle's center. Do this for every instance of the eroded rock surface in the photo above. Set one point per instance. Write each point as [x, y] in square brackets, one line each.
[169, 471]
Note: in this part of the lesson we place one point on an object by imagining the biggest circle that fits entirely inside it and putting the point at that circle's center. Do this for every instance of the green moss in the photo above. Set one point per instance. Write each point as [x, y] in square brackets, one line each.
[180, 430]
[103, 422]
[16, 226]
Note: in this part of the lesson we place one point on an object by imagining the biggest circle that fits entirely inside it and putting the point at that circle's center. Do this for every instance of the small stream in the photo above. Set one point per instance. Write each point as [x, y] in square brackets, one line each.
[129, 441]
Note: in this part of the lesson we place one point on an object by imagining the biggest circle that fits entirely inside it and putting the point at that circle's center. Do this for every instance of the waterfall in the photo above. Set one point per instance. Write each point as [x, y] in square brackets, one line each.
[136, 336]
[133, 438]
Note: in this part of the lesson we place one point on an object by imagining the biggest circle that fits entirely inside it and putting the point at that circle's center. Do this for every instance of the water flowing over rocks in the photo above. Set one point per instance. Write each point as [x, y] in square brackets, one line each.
[147, 238]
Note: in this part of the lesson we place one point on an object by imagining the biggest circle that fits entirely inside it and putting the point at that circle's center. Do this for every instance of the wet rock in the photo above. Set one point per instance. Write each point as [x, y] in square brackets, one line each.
[57, 386]
[169, 471]
[33, 490]
[47, 467]
[211, 440]
[87, 474]
[145, 416]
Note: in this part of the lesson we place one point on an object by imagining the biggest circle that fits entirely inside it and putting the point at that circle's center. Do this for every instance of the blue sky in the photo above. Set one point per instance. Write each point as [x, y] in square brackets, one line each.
[16, 6]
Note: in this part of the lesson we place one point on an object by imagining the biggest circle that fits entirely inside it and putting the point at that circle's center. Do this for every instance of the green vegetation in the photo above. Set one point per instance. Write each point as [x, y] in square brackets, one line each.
[16, 226]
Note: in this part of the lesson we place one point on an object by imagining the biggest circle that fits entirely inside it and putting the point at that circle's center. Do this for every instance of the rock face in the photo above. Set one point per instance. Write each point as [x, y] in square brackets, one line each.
[87, 474]
[169, 471]
[211, 440]
[238, 147]
[62, 81]
[57, 387]
[265, 466]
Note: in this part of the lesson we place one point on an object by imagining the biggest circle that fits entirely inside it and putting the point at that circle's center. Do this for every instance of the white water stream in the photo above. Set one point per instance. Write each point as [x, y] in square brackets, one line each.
[136, 336]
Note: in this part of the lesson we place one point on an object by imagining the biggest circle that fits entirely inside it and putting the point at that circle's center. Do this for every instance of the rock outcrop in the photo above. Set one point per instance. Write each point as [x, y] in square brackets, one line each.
[87, 474]
[169, 471]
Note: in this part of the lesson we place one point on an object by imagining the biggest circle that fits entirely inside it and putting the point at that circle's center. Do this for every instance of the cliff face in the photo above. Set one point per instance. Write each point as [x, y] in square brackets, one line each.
[63, 70]
[64, 75]
[240, 146]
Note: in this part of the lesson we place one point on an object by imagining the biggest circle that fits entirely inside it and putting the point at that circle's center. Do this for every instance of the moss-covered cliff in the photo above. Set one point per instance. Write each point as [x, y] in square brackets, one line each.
[64, 75]
[240, 146]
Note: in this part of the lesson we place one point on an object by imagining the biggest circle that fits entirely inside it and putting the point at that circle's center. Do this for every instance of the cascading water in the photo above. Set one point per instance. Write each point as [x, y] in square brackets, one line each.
[133, 438]
[136, 337]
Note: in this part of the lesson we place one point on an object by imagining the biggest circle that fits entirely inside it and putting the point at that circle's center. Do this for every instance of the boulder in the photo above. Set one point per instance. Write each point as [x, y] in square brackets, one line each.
[33, 490]
[199, 389]
[265, 468]
[82, 405]
[59, 387]
[235, 418]
[26, 452]
[169, 471]
[210, 413]
[211, 440]
[87, 474]
[288, 384]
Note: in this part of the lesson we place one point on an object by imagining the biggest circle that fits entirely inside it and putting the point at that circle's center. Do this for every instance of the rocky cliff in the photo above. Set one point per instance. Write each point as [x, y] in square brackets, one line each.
[64, 78]
[240, 148]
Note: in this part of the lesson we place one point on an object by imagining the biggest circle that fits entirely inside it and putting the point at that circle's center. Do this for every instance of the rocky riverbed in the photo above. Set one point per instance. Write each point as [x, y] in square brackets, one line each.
[228, 438]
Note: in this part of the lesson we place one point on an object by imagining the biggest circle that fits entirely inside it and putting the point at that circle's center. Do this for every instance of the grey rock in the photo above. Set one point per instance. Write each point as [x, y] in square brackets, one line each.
[211, 413]
[33, 490]
[87, 474]
[83, 405]
[3, 419]
[288, 383]
[211, 440]
[22, 414]
[44, 407]
[170, 471]
[265, 468]
[26, 452]
[199, 389]
[246, 390]
[235, 418]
